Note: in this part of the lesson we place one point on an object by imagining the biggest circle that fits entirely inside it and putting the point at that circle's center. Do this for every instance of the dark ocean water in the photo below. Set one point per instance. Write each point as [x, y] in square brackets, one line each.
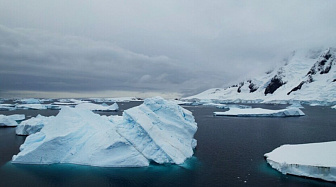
[229, 153]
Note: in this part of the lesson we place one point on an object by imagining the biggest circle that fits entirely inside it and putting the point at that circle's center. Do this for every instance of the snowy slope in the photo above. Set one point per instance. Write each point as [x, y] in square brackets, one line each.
[308, 76]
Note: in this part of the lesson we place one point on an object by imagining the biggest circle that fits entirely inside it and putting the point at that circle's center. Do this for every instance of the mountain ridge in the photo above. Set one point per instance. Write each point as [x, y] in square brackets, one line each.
[307, 76]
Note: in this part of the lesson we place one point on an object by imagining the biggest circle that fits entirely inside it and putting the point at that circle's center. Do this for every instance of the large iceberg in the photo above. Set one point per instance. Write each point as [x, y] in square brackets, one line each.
[80, 137]
[11, 120]
[97, 107]
[260, 112]
[157, 130]
[316, 160]
[32, 125]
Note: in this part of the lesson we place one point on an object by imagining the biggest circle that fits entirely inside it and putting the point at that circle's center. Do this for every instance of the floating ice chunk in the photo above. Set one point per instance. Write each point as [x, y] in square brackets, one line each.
[53, 107]
[260, 112]
[333, 107]
[316, 160]
[11, 120]
[161, 130]
[96, 107]
[7, 107]
[31, 106]
[32, 125]
[80, 137]
[30, 101]
[295, 105]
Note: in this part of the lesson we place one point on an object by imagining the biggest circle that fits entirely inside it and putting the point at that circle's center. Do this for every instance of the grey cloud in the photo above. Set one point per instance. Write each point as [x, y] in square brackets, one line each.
[178, 46]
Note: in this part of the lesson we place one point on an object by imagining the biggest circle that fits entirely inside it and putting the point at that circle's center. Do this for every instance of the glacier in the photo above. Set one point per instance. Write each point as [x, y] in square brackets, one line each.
[32, 125]
[97, 107]
[260, 112]
[11, 120]
[156, 131]
[315, 160]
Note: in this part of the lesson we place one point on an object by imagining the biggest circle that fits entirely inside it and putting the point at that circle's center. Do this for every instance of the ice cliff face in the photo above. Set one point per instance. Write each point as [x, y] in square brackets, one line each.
[158, 130]
[308, 76]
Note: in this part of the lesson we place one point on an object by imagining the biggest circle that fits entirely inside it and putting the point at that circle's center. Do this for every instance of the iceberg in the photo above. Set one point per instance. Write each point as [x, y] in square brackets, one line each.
[4, 107]
[97, 107]
[31, 106]
[161, 130]
[11, 120]
[79, 136]
[333, 107]
[30, 101]
[260, 112]
[32, 125]
[158, 131]
[315, 160]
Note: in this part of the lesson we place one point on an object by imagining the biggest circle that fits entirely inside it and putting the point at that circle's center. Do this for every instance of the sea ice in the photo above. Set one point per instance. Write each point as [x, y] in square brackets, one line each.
[333, 107]
[32, 125]
[7, 107]
[11, 120]
[260, 112]
[316, 160]
[97, 107]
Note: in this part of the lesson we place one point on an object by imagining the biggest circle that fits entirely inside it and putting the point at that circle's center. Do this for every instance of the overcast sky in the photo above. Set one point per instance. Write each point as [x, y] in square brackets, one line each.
[110, 48]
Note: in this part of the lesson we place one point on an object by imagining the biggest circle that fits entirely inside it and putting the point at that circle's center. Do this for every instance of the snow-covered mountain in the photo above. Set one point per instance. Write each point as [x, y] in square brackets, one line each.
[307, 76]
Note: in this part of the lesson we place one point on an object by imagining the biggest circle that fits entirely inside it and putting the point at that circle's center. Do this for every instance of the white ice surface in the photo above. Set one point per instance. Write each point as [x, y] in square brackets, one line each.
[316, 160]
[333, 107]
[32, 125]
[11, 120]
[97, 107]
[260, 112]
[161, 130]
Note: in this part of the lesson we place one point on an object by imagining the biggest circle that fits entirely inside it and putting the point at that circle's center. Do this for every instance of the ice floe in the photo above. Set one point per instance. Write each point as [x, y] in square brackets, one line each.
[260, 112]
[11, 120]
[97, 107]
[316, 160]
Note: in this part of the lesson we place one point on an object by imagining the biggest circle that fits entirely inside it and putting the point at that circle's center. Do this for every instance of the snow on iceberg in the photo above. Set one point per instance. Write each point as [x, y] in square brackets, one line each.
[11, 120]
[97, 107]
[79, 136]
[32, 125]
[260, 112]
[161, 130]
[157, 130]
[316, 160]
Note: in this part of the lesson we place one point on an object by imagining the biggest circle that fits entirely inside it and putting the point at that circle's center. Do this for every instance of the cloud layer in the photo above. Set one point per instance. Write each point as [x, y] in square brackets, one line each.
[151, 46]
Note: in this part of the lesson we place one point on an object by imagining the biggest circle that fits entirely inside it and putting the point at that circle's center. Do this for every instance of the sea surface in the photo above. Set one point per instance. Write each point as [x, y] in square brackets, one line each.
[229, 153]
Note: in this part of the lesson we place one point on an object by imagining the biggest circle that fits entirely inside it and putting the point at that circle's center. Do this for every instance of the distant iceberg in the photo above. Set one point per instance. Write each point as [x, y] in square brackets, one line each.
[31, 106]
[260, 112]
[157, 130]
[316, 160]
[11, 120]
[97, 107]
